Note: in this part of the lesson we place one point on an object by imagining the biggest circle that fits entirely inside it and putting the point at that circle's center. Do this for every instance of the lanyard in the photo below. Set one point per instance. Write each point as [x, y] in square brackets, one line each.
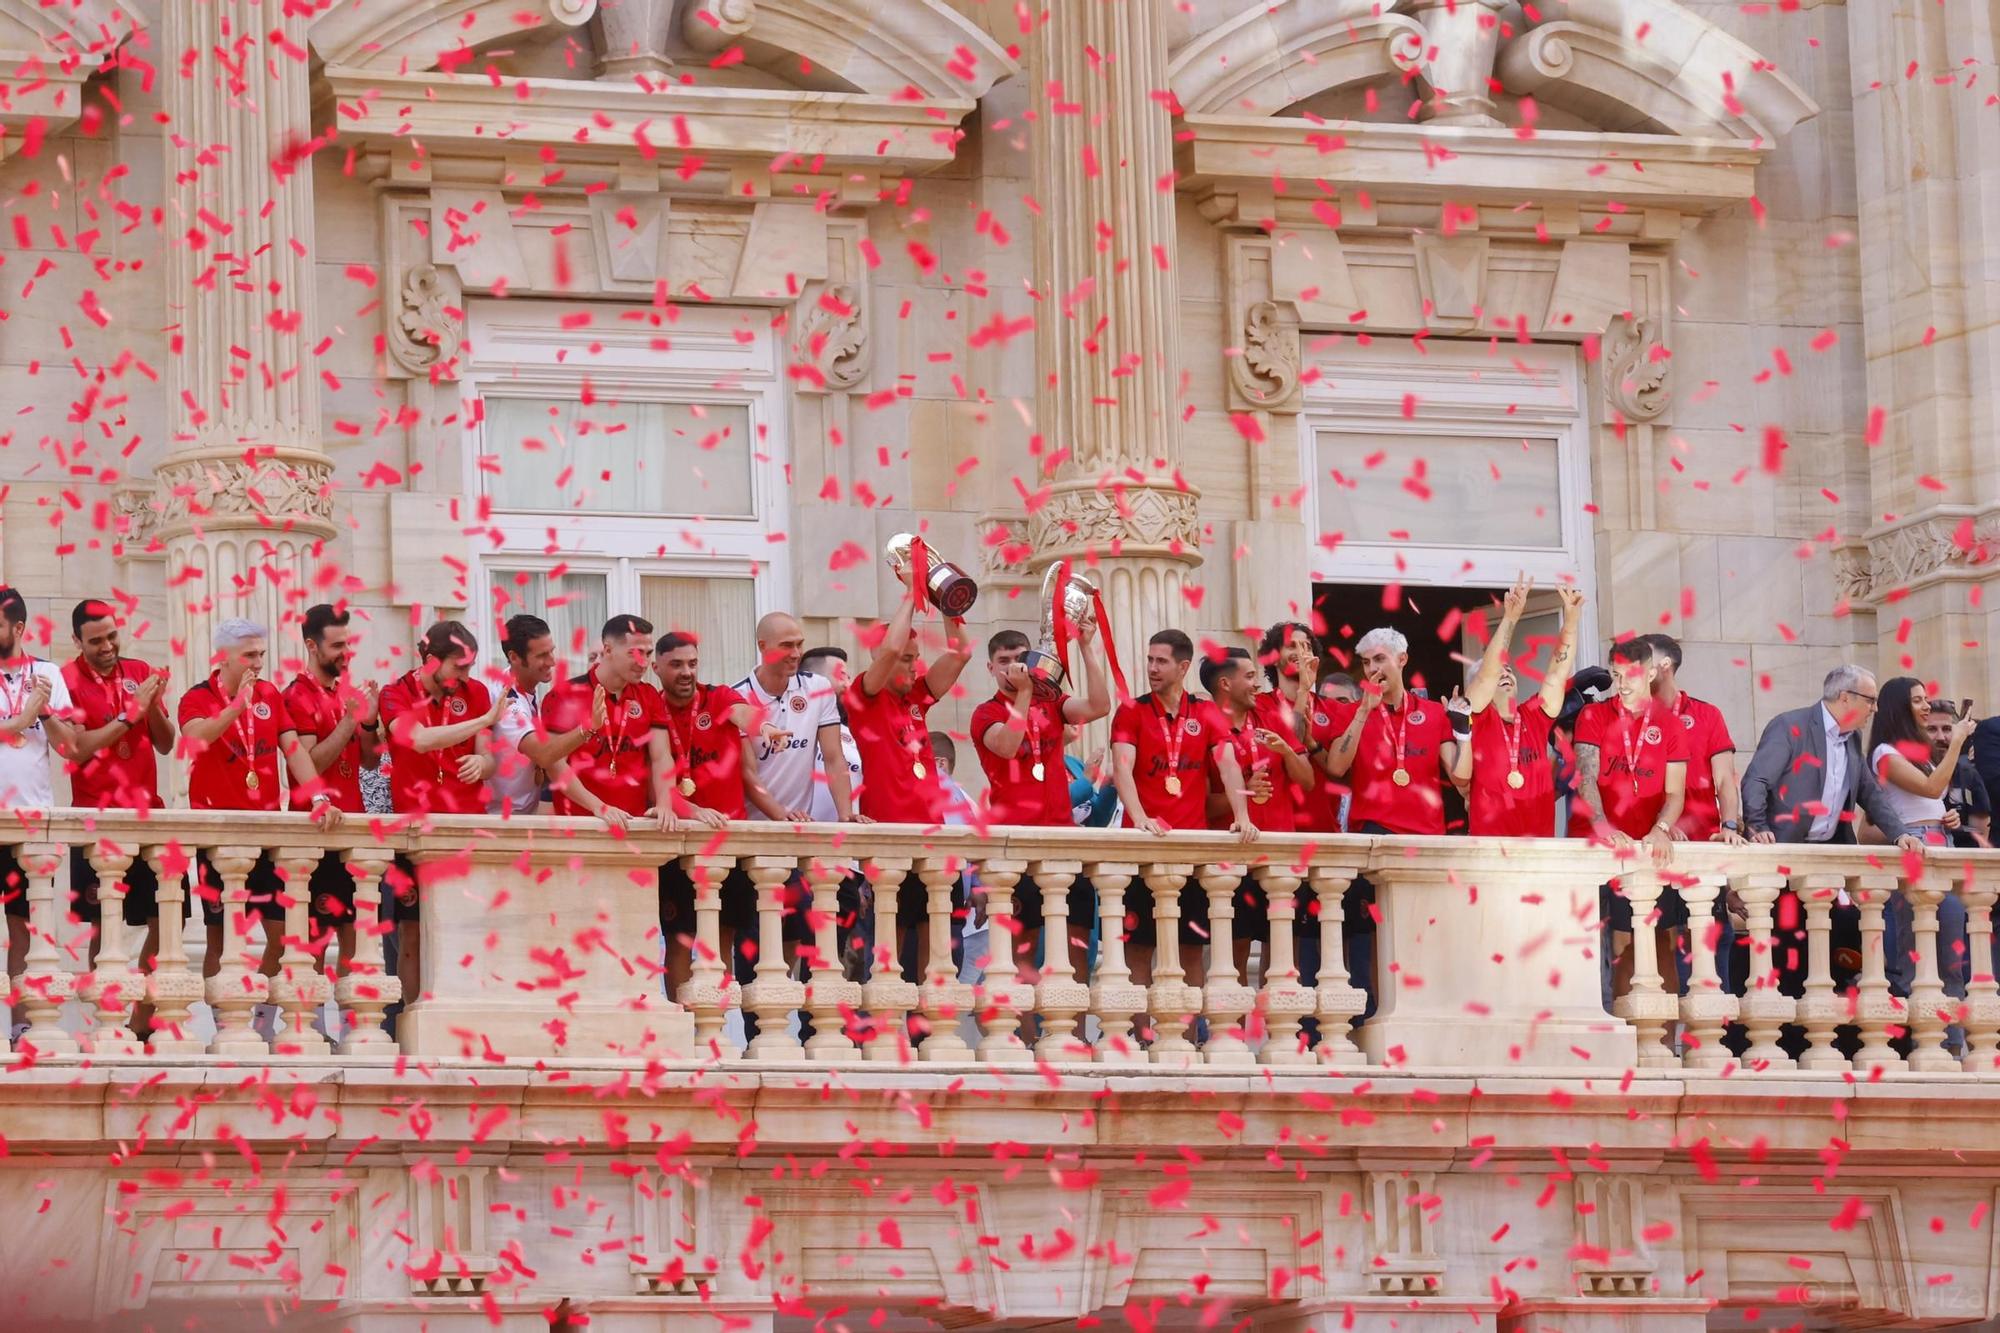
[1398, 734]
[16, 702]
[1171, 732]
[246, 732]
[684, 745]
[1635, 739]
[614, 705]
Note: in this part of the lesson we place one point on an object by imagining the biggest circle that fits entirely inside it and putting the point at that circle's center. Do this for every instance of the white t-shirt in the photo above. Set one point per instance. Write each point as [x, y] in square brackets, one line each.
[517, 783]
[25, 781]
[1909, 807]
[788, 770]
[823, 811]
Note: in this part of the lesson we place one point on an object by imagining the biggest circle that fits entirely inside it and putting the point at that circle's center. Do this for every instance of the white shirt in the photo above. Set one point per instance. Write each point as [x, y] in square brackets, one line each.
[788, 769]
[25, 780]
[1834, 784]
[517, 783]
[1911, 808]
[823, 810]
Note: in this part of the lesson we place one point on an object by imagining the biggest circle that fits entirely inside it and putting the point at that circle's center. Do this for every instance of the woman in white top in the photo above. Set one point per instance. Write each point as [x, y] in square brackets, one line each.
[1899, 749]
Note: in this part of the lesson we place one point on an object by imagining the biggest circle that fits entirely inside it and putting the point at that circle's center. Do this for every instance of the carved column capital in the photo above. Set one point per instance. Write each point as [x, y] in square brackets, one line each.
[1086, 520]
[267, 489]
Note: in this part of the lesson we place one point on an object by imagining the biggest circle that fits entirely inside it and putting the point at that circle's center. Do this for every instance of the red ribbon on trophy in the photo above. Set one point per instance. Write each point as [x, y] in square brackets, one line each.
[920, 572]
[1110, 647]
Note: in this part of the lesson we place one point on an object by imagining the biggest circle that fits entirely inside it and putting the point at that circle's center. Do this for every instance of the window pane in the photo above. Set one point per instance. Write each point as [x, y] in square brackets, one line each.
[1440, 490]
[607, 457]
[720, 613]
[576, 605]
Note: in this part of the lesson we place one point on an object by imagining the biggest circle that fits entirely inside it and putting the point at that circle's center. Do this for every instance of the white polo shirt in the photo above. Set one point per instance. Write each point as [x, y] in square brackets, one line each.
[25, 780]
[789, 770]
[517, 783]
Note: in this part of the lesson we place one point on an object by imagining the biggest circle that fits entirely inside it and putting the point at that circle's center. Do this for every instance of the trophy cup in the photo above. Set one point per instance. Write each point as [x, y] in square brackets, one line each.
[1044, 661]
[946, 586]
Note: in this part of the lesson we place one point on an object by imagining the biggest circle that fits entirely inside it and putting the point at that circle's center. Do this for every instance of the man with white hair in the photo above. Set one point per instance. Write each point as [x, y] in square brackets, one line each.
[1394, 750]
[1807, 776]
[237, 727]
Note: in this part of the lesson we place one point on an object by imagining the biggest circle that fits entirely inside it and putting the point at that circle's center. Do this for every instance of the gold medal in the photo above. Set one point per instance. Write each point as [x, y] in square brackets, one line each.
[687, 786]
[1401, 777]
[1261, 797]
[1173, 784]
[1516, 781]
[1038, 772]
[919, 769]
[250, 781]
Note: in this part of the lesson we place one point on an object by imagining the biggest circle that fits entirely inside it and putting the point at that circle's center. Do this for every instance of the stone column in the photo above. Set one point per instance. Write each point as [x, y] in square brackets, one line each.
[245, 496]
[1106, 330]
[1927, 171]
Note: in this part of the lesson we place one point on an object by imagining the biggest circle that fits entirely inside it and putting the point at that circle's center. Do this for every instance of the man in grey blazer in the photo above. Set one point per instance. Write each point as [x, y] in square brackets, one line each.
[1809, 772]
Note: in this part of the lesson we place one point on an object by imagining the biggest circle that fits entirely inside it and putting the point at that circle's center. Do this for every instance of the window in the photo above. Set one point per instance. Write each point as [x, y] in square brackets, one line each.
[634, 464]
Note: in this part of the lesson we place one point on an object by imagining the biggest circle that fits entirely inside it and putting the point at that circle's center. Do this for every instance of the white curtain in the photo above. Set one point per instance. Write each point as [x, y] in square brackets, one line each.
[721, 613]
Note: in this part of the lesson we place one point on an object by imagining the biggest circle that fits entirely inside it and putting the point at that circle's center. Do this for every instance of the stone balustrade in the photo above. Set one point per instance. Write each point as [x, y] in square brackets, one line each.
[541, 941]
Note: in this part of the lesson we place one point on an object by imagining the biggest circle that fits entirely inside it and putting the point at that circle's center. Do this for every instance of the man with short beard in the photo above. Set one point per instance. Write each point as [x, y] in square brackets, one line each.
[521, 746]
[337, 725]
[122, 728]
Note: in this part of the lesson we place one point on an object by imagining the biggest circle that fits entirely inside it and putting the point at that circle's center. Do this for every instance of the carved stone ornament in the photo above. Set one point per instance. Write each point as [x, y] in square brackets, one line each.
[833, 339]
[273, 489]
[1266, 375]
[138, 517]
[427, 323]
[1611, 1254]
[1636, 369]
[1948, 545]
[1853, 573]
[1406, 1261]
[1109, 521]
[669, 1258]
[1005, 544]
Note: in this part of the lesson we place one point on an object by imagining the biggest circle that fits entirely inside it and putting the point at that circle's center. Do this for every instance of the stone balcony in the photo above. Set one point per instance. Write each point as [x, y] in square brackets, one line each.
[1491, 1149]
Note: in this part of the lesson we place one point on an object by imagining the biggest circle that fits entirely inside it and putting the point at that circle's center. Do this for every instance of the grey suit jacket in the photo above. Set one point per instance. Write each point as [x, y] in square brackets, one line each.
[1782, 787]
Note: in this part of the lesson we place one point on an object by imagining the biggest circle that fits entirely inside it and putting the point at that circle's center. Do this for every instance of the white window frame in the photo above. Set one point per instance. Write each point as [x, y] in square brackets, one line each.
[715, 355]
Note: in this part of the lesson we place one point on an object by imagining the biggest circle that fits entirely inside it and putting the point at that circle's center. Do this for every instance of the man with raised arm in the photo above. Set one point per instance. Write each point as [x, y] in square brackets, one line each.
[235, 726]
[1506, 765]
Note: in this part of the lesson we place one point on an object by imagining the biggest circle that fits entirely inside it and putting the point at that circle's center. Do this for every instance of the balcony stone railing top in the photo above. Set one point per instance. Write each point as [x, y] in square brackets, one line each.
[541, 942]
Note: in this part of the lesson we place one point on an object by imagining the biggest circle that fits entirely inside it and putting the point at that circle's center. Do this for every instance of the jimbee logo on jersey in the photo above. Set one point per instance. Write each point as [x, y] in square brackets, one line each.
[1651, 736]
[262, 710]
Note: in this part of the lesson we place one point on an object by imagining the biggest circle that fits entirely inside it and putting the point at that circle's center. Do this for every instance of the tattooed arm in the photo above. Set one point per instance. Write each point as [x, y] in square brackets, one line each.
[1563, 662]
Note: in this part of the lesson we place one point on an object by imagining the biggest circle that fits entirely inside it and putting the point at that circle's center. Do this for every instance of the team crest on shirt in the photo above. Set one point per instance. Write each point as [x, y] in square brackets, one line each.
[632, 708]
[798, 702]
[1687, 721]
[1652, 736]
[916, 713]
[262, 710]
[1192, 726]
[702, 722]
[1417, 718]
[131, 686]
[457, 706]
[1322, 720]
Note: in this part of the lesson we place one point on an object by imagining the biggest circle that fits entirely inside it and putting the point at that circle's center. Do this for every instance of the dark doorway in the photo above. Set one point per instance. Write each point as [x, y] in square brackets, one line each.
[1432, 619]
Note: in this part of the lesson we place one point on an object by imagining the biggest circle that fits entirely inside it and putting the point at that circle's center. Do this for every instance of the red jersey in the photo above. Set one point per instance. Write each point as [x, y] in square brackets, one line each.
[1707, 736]
[1014, 794]
[1499, 806]
[617, 765]
[708, 750]
[1406, 740]
[124, 775]
[1274, 712]
[1319, 805]
[1634, 750]
[238, 770]
[428, 784]
[317, 711]
[1277, 813]
[899, 772]
[1171, 751]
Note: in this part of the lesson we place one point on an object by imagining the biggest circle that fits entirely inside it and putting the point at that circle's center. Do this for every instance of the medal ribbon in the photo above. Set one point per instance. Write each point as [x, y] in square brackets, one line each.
[684, 745]
[1170, 730]
[1398, 732]
[246, 734]
[15, 702]
[1635, 740]
[1513, 735]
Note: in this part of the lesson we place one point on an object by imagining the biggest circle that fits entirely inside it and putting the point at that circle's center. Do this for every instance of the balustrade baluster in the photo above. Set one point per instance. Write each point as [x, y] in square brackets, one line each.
[1337, 1000]
[1647, 1005]
[298, 989]
[237, 988]
[711, 982]
[1706, 1009]
[1876, 1010]
[942, 998]
[1931, 1011]
[364, 989]
[1283, 1001]
[1765, 1008]
[1113, 997]
[772, 995]
[1981, 1019]
[173, 986]
[113, 986]
[830, 996]
[1226, 1001]
[1821, 1009]
[889, 998]
[1001, 999]
[45, 982]
[1061, 999]
[1171, 1000]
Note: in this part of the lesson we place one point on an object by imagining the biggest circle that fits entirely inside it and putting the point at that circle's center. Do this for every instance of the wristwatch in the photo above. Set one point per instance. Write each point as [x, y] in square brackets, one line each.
[1732, 826]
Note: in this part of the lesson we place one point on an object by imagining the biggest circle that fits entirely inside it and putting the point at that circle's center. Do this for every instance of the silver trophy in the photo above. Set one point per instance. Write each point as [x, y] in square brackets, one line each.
[1044, 663]
[947, 587]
